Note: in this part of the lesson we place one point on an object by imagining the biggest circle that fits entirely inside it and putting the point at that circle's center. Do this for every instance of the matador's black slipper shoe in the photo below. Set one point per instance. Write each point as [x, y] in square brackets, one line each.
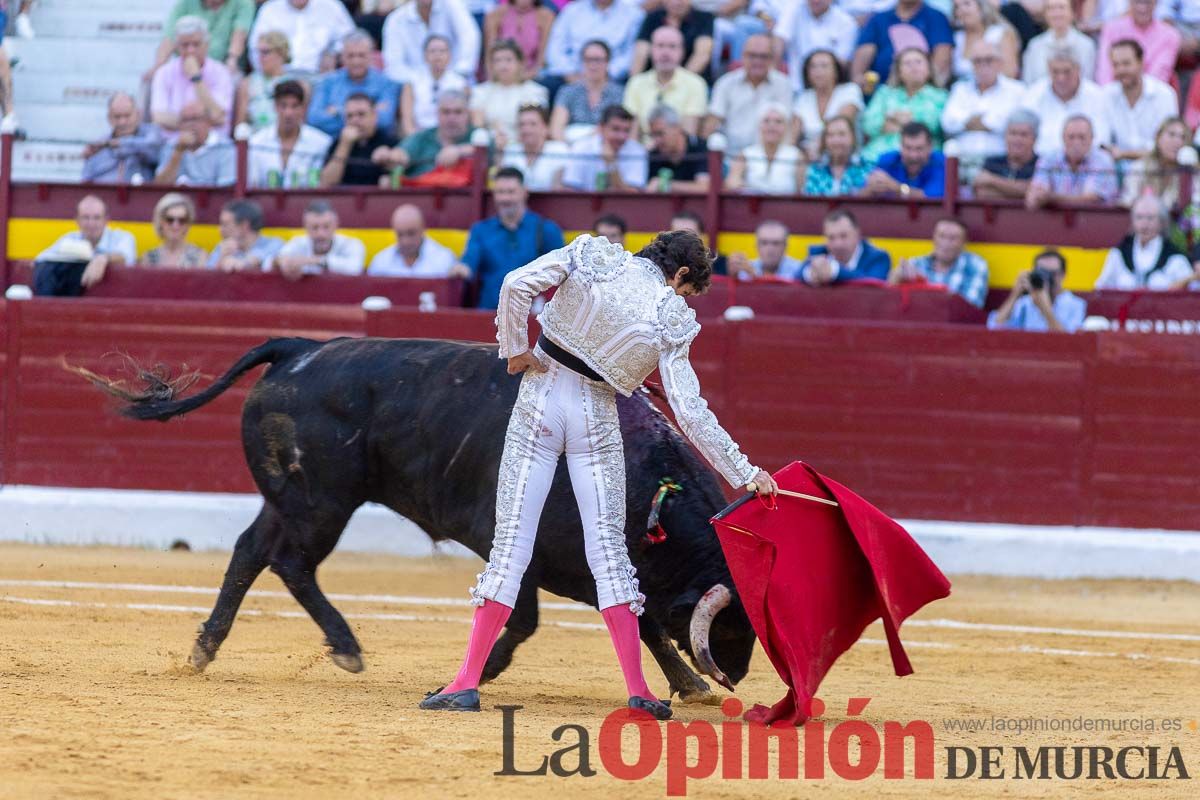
[659, 709]
[465, 700]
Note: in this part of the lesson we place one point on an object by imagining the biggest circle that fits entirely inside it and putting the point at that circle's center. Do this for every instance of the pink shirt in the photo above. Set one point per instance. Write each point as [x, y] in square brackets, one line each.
[1160, 45]
[522, 28]
[171, 90]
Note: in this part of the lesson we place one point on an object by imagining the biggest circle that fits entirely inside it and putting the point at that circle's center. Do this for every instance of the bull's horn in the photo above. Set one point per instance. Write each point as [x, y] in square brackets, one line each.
[715, 599]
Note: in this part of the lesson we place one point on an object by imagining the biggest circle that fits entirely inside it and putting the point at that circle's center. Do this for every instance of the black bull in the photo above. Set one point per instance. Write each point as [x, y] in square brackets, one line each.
[418, 426]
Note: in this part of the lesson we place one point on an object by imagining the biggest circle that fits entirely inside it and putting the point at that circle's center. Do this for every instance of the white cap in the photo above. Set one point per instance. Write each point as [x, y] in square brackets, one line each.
[480, 137]
[376, 303]
[1187, 156]
[739, 313]
[1097, 323]
[19, 291]
[717, 142]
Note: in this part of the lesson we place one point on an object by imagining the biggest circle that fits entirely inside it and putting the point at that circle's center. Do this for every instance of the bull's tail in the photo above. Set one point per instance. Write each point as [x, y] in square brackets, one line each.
[156, 397]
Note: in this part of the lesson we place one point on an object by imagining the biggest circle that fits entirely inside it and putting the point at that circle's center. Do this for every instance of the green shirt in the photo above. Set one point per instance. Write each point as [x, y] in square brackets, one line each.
[422, 148]
[233, 15]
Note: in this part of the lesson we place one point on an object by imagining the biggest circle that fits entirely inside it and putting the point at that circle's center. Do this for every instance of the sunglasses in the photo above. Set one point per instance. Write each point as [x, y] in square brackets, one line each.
[171, 219]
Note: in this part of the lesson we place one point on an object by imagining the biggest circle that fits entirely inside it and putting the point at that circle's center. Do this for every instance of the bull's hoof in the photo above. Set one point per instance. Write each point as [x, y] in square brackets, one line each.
[351, 662]
[699, 697]
[199, 658]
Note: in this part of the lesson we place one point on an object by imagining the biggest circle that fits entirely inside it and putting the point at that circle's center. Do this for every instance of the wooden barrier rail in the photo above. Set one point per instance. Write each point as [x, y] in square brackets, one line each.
[930, 421]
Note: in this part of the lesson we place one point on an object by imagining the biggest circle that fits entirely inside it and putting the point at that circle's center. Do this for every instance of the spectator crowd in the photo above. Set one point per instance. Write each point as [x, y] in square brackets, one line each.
[1042, 101]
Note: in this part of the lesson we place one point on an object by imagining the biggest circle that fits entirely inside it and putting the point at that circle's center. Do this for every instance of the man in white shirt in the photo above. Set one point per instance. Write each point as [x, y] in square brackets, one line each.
[978, 108]
[770, 239]
[311, 26]
[1135, 104]
[808, 25]
[738, 96]
[1146, 259]
[288, 154]
[108, 245]
[406, 30]
[320, 248]
[1062, 95]
[415, 254]
[610, 158]
[614, 22]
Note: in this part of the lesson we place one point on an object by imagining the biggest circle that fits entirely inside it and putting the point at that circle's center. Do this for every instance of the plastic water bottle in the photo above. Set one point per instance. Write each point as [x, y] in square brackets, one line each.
[427, 302]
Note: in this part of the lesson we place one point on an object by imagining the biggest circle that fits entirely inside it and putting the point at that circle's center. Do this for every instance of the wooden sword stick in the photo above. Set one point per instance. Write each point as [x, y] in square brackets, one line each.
[751, 487]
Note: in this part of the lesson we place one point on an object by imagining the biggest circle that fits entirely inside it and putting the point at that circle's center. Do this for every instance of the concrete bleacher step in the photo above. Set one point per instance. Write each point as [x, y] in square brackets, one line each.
[86, 55]
[75, 88]
[75, 122]
[47, 161]
[119, 22]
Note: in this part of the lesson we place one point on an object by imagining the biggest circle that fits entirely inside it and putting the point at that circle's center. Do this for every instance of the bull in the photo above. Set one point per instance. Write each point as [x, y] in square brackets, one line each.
[418, 426]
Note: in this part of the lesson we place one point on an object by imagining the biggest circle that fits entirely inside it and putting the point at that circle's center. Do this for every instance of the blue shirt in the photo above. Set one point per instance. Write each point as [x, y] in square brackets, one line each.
[930, 22]
[968, 278]
[329, 99]
[1070, 309]
[931, 180]
[493, 250]
[868, 261]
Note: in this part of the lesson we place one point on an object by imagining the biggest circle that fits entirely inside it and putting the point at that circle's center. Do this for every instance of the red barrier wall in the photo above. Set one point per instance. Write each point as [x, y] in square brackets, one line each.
[928, 421]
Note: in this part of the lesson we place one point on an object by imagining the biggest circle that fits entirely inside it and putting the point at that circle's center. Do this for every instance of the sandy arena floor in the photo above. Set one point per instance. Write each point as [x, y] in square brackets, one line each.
[96, 701]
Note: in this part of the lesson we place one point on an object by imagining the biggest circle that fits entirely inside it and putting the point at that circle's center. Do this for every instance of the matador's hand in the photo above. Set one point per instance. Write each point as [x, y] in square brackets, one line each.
[763, 483]
[523, 362]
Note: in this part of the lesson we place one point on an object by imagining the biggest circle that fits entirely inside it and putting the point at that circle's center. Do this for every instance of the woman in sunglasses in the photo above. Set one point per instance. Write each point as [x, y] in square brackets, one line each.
[173, 218]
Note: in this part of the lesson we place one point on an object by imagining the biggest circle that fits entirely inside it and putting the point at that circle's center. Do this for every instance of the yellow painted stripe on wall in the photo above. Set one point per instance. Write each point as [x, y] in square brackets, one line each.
[28, 237]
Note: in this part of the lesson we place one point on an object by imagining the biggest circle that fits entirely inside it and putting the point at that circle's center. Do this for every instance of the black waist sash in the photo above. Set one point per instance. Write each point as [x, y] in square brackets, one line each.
[573, 363]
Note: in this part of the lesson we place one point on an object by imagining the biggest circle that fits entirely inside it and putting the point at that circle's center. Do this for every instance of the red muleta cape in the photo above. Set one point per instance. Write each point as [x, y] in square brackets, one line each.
[812, 577]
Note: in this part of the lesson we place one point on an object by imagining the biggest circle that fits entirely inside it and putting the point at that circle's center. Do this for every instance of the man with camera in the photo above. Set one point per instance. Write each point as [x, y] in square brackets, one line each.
[1038, 302]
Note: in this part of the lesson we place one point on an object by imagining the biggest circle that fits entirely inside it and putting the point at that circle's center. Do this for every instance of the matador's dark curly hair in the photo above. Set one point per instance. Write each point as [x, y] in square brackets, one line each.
[671, 250]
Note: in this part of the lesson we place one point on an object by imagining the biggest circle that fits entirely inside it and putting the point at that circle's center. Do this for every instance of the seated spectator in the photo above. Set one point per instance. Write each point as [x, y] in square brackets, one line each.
[109, 246]
[609, 159]
[949, 265]
[1157, 39]
[6, 90]
[909, 96]
[829, 95]
[914, 170]
[420, 95]
[363, 155]
[1009, 175]
[199, 156]
[1146, 258]
[845, 256]
[510, 240]
[772, 166]
[356, 76]
[611, 227]
[312, 26]
[1045, 307]
[289, 154]
[578, 105]
[409, 27]
[910, 24]
[695, 26]
[838, 170]
[686, 220]
[1061, 95]
[320, 248]
[1077, 173]
[979, 106]
[254, 102]
[979, 21]
[130, 149]
[615, 22]
[191, 77]
[668, 83]
[526, 22]
[1157, 173]
[1060, 18]
[228, 23]
[806, 26]
[445, 146]
[678, 162]
[540, 159]
[243, 247]
[1135, 103]
[415, 254]
[770, 240]
[173, 217]
[734, 22]
[738, 95]
[494, 104]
